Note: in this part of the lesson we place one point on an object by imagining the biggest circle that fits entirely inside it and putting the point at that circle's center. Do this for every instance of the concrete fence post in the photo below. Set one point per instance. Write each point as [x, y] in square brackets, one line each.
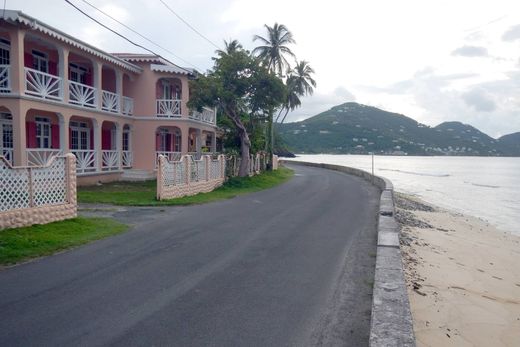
[160, 178]
[187, 165]
[70, 172]
[207, 162]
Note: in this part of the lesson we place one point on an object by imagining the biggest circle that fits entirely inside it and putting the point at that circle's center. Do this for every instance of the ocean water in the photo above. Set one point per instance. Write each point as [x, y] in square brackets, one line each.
[484, 187]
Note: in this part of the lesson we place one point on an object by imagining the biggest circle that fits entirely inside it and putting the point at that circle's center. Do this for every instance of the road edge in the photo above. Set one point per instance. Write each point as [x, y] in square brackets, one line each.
[391, 319]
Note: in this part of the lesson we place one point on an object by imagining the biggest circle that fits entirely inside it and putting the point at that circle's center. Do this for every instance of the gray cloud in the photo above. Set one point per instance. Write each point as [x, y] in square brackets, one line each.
[479, 100]
[492, 107]
[512, 34]
[470, 51]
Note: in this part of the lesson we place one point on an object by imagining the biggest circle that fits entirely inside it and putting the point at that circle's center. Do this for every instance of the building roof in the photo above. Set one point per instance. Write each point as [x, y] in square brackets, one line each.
[14, 17]
[158, 63]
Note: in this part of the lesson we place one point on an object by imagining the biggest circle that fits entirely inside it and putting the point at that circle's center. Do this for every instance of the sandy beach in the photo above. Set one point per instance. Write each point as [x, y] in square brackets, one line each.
[463, 277]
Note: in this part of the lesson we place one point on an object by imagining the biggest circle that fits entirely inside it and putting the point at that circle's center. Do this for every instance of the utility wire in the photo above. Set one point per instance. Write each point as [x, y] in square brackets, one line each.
[118, 34]
[189, 25]
[139, 34]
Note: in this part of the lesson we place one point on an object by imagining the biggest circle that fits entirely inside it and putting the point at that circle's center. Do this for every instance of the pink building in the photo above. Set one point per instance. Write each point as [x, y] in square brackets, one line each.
[114, 112]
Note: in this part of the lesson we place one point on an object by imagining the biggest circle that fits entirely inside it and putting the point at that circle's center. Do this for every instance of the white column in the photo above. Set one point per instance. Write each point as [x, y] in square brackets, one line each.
[119, 89]
[119, 144]
[64, 134]
[97, 143]
[214, 142]
[198, 141]
[17, 77]
[97, 71]
[63, 54]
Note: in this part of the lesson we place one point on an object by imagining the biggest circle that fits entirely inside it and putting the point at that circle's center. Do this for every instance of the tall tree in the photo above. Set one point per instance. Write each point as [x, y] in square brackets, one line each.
[274, 48]
[230, 47]
[240, 87]
[299, 83]
[273, 53]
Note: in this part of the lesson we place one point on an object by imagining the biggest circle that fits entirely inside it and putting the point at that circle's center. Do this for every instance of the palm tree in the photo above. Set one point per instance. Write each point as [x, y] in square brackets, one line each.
[230, 48]
[292, 100]
[272, 53]
[274, 48]
[299, 83]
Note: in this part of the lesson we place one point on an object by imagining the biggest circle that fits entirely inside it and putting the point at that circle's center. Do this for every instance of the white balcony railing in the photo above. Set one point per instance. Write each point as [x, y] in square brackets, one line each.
[42, 84]
[5, 81]
[41, 156]
[127, 158]
[168, 108]
[7, 153]
[110, 160]
[85, 160]
[171, 156]
[206, 116]
[128, 106]
[82, 95]
[110, 102]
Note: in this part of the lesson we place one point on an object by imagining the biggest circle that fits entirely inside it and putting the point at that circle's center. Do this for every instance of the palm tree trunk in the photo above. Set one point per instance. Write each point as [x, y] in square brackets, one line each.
[285, 115]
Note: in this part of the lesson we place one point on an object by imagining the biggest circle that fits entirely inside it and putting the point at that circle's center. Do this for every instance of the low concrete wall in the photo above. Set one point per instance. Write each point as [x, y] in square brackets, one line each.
[45, 213]
[391, 323]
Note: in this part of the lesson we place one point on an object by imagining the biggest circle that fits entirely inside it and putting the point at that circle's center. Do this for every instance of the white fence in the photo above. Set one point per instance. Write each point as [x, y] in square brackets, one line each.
[257, 164]
[188, 176]
[37, 195]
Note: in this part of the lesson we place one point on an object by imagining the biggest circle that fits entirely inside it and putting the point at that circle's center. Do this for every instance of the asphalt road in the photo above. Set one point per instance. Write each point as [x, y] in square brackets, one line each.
[292, 265]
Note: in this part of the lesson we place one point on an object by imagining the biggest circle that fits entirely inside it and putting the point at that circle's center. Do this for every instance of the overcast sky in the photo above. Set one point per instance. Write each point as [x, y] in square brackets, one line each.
[430, 60]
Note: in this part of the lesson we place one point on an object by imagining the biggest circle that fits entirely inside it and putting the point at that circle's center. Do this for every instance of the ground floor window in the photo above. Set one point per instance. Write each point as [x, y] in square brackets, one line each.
[43, 132]
[79, 136]
[126, 139]
[6, 130]
[177, 142]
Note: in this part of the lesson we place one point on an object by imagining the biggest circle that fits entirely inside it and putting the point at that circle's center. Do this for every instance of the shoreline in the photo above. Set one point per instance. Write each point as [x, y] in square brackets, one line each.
[462, 276]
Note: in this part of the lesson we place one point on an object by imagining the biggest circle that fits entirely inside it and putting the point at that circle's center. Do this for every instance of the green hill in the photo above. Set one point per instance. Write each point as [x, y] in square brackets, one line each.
[356, 128]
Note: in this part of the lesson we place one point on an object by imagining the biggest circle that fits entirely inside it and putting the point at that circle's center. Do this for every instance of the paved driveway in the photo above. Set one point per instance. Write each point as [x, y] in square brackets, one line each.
[292, 265]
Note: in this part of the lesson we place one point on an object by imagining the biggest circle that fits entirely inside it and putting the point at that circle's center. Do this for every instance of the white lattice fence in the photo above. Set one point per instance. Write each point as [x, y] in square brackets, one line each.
[188, 177]
[37, 195]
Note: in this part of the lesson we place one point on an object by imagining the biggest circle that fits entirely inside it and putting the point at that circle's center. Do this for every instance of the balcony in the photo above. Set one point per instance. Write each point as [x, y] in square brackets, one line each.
[47, 86]
[5, 78]
[207, 115]
[7, 153]
[170, 108]
[41, 156]
[42, 84]
[128, 106]
[127, 159]
[111, 102]
[110, 160]
[85, 161]
[82, 95]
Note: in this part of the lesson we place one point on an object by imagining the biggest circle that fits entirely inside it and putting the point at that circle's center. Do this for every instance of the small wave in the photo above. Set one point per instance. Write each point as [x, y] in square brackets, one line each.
[417, 173]
[482, 185]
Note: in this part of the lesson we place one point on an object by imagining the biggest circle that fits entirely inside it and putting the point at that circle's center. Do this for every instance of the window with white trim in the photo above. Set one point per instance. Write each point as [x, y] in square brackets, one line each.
[126, 139]
[43, 132]
[4, 52]
[6, 130]
[79, 135]
[40, 61]
[177, 143]
[77, 73]
[163, 143]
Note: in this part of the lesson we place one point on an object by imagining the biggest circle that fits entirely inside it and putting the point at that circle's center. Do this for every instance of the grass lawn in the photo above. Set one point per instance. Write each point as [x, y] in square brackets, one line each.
[19, 244]
[143, 193]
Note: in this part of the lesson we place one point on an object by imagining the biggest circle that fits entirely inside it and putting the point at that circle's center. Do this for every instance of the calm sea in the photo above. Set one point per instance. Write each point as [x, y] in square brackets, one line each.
[488, 188]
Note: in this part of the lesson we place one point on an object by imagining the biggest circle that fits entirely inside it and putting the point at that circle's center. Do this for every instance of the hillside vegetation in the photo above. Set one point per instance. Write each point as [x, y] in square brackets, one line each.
[356, 128]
